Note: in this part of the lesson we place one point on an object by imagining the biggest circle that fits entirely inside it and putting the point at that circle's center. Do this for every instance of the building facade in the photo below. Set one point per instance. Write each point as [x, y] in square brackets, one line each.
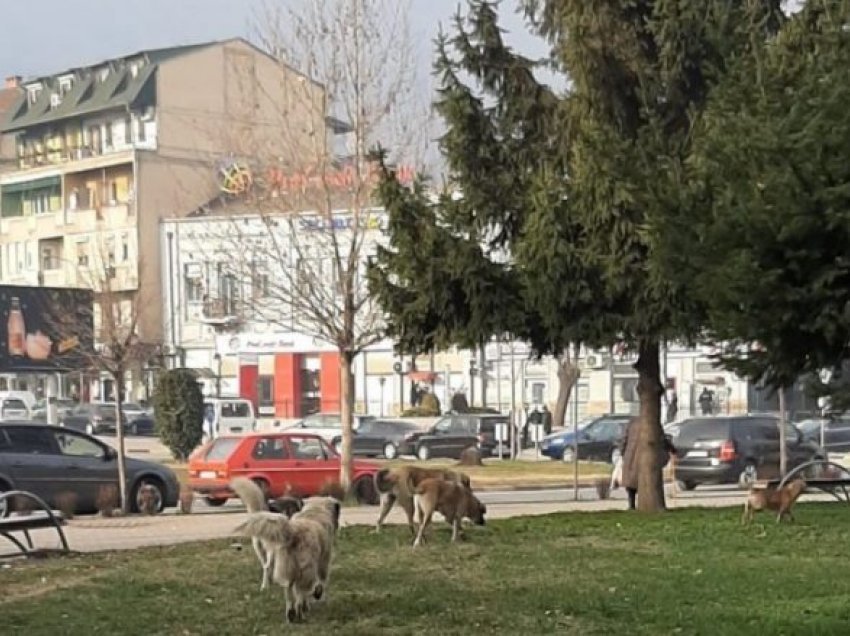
[95, 157]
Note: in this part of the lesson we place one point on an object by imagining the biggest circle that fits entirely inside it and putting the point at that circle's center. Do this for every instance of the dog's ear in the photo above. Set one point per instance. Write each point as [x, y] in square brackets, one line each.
[337, 509]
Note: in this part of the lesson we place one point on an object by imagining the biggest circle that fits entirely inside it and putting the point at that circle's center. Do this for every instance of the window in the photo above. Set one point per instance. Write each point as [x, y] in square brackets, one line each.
[270, 448]
[78, 446]
[31, 439]
[259, 280]
[82, 254]
[125, 248]
[128, 130]
[265, 390]
[235, 409]
[33, 93]
[311, 448]
[141, 132]
[107, 136]
[65, 85]
[193, 282]
[222, 448]
[444, 425]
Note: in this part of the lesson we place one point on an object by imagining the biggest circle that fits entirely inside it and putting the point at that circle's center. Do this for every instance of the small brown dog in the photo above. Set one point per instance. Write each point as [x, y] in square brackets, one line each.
[772, 498]
[452, 500]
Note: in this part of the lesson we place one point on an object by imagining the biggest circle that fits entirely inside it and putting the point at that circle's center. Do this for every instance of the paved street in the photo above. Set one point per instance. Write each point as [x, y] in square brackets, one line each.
[90, 534]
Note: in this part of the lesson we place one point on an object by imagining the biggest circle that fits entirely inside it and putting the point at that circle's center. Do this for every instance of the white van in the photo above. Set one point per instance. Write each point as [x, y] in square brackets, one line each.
[228, 416]
[26, 397]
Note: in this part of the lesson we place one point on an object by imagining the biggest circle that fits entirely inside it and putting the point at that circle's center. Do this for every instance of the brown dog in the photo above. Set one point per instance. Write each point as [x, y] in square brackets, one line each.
[452, 500]
[772, 498]
[399, 484]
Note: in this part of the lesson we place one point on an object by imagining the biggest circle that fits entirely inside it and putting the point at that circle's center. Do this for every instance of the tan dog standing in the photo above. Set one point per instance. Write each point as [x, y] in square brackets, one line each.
[399, 485]
[452, 500]
[772, 498]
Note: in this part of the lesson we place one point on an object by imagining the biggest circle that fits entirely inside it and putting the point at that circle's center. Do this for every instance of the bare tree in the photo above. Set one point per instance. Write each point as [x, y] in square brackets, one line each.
[297, 259]
[113, 327]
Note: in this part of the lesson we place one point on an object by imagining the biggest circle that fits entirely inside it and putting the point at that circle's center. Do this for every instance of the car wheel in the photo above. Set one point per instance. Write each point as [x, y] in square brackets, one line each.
[132, 430]
[390, 451]
[615, 455]
[158, 494]
[214, 502]
[423, 453]
[569, 455]
[688, 485]
[263, 485]
[748, 476]
[365, 492]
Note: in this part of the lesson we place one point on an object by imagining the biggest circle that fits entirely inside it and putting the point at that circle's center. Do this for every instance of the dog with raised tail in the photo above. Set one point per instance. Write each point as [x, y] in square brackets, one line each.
[255, 501]
[772, 498]
[302, 547]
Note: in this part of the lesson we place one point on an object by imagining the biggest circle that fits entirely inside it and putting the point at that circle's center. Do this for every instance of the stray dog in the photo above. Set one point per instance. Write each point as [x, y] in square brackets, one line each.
[399, 484]
[772, 498]
[303, 547]
[254, 499]
[452, 500]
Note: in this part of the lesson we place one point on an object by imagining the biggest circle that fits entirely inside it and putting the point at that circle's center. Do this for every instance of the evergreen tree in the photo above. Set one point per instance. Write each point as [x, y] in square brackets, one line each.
[561, 199]
[771, 259]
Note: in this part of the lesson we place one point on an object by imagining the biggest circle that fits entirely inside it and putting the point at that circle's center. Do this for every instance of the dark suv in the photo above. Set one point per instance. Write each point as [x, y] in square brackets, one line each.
[735, 450]
[454, 433]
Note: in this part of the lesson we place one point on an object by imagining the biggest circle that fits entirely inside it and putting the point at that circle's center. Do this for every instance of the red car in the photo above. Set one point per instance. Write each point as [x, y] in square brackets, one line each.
[281, 463]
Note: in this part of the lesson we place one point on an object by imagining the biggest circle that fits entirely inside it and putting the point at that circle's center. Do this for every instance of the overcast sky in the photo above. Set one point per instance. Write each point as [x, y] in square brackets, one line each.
[41, 37]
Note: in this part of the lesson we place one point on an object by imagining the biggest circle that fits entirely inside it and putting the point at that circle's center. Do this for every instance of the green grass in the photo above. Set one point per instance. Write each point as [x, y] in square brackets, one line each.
[695, 571]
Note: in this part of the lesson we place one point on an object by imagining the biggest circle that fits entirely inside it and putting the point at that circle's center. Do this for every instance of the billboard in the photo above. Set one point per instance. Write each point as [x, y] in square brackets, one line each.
[44, 329]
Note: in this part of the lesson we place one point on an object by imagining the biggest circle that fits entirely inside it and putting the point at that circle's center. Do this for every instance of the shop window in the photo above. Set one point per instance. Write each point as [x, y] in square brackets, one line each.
[265, 390]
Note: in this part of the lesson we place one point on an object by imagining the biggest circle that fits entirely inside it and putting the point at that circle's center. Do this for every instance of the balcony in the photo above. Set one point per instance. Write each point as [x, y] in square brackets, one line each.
[218, 312]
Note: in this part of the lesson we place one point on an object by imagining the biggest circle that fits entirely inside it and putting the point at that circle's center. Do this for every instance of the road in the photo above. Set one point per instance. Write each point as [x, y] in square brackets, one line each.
[92, 534]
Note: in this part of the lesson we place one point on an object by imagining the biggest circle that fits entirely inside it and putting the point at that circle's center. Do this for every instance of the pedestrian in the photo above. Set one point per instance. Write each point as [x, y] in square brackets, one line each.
[672, 407]
[706, 401]
[547, 420]
[629, 453]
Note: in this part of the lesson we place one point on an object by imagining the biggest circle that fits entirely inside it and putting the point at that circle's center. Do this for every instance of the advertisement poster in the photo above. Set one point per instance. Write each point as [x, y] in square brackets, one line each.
[44, 329]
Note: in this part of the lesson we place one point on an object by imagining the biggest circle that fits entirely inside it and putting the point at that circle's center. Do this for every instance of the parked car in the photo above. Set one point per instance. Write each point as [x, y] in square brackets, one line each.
[227, 416]
[13, 409]
[373, 438]
[328, 426]
[132, 410]
[95, 418]
[455, 432]
[50, 460]
[736, 450]
[142, 424]
[598, 440]
[278, 462]
[63, 407]
[836, 432]
[27, 397]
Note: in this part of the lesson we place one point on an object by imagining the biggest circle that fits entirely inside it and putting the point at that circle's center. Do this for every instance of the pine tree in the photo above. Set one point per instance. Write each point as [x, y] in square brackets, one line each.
[561, 199]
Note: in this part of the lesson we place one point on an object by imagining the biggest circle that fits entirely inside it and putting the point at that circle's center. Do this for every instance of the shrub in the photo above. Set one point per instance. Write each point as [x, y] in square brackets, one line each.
[418, 411]
[431, 404]
[108, 499]
[187, 498]
[179, 412]
[470, 457]
[603, 487]
[67, 503]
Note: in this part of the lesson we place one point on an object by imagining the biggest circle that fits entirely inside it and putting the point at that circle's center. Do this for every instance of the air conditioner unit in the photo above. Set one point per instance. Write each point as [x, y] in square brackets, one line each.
[594, 361]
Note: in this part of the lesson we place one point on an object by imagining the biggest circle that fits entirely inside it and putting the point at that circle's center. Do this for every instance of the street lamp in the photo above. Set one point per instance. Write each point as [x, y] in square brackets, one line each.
[382, 381]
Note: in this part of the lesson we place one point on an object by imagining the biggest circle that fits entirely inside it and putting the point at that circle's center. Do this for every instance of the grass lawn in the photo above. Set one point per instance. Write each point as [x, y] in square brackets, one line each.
[494, 473]
[695, 571]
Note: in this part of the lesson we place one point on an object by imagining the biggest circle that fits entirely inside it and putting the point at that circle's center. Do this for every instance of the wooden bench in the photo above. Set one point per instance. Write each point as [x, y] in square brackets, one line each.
[43, 517]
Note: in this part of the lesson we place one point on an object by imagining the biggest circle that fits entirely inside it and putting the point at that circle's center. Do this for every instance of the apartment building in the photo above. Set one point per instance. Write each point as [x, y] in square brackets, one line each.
[94, 157]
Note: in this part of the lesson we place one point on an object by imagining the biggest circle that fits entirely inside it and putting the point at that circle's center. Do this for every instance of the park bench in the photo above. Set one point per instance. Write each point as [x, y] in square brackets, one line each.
[837, 485]
[12, 527]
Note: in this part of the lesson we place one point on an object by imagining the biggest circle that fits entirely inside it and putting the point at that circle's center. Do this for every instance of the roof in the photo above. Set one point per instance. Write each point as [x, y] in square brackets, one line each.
[121, 88]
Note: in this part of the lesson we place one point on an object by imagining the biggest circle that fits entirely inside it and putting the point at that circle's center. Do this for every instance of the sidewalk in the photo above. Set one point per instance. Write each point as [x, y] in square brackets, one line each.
[93, 534]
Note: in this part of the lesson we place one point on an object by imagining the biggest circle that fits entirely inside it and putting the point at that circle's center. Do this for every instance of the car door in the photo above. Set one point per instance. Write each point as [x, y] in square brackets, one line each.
[314, 463]
[269, 458]
[88, 466]
[766, 447]
[35, 462]
[438, 440]
[369, 438]
[459, 436]
[603, 443]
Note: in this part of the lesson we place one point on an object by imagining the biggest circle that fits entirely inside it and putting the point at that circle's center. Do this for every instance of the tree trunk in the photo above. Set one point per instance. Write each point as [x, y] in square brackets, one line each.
[651, 435]
[783, 442]
[568, 374]
[118, 378]
[346, 417]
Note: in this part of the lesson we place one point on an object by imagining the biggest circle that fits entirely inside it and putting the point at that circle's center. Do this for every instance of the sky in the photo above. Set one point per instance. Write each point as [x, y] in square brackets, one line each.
[41, 37]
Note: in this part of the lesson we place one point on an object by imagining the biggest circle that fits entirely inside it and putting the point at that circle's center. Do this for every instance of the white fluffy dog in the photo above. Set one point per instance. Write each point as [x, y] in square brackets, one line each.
[302, 548]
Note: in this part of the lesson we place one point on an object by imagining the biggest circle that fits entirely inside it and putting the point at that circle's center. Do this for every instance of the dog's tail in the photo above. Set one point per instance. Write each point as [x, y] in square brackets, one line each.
[463, 478]
[385, 480]
[250, 494]
[269, 526]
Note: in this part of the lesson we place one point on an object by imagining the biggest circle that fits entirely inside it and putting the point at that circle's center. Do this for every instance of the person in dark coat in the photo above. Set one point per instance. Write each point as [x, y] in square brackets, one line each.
[547, 420]
[672, 408]
[706, 401]
[629, 451]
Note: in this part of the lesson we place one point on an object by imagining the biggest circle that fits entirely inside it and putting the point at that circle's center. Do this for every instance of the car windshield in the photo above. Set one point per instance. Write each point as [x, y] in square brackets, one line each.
[222, 448]
[13, 404]
[106, 411]
[702, 429]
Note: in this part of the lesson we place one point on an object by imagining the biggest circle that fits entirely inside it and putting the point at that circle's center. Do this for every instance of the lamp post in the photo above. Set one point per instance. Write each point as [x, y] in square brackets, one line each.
[382, 381]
